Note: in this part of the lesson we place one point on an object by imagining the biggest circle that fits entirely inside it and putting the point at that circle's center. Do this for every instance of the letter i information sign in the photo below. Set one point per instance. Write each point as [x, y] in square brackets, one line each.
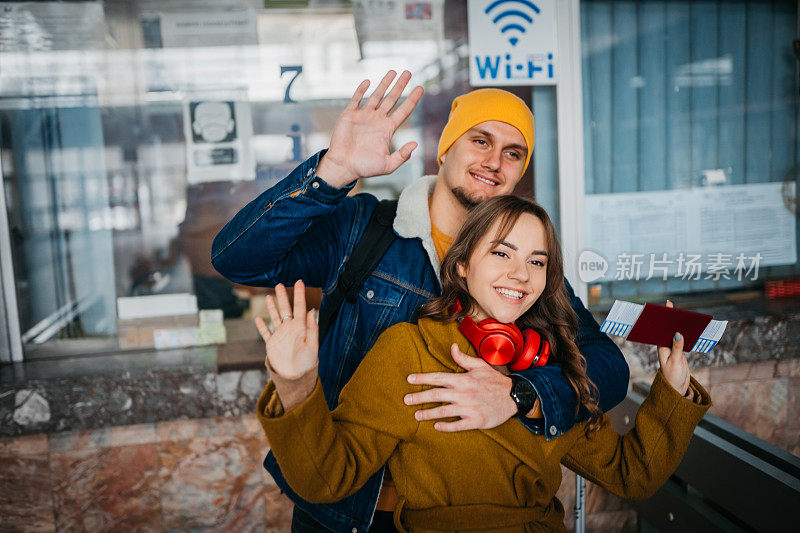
[512, 42]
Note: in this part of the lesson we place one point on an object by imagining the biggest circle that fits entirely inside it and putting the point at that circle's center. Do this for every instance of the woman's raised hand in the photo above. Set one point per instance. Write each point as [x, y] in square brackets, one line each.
[674, 365]
[361, 144]
[292, 347]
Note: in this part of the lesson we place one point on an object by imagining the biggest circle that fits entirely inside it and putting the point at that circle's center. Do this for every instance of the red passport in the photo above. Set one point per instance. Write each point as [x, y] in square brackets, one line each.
[658, 323]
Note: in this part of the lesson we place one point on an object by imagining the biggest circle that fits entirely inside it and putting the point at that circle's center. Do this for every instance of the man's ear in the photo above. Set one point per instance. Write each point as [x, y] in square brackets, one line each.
[443, 156]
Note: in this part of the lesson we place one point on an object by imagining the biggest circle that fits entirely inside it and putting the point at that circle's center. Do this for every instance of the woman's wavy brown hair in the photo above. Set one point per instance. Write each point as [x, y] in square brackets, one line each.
[551, 315]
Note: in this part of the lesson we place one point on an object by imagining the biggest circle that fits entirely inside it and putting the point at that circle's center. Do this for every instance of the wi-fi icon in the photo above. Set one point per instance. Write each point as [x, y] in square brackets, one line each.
[512, 19]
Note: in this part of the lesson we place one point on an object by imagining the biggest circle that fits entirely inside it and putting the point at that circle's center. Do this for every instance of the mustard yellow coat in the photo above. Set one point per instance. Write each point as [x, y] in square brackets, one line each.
[501, 479]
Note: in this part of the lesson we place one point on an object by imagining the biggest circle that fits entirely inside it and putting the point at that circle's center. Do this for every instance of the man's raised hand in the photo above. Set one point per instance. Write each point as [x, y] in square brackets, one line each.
[361, 143]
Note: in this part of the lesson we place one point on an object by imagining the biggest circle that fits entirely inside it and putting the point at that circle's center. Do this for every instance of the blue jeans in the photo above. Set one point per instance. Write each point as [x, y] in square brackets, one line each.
[302, 522]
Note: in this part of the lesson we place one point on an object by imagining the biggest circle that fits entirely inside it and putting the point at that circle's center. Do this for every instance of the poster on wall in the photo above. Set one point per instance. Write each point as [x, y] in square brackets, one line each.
[512, 42]
[223, 27]
[393, 20]
[724, 232]
[187, 49]
[218, 132]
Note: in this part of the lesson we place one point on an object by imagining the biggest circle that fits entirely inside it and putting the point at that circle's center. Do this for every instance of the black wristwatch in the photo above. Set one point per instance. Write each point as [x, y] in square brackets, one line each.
[523, 394]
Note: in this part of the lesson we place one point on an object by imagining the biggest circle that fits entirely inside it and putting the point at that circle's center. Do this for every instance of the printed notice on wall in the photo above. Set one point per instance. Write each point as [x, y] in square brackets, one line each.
[512, 42]
[382, 20]
[717, 231]
[224, 27]
[218, 129]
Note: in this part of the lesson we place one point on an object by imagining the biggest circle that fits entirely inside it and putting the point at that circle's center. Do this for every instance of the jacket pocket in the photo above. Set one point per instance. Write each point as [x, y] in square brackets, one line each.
[378, 291]
[380, 301]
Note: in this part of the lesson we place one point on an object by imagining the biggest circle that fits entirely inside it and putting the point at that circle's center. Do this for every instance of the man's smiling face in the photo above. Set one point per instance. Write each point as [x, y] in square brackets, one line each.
[486, 161]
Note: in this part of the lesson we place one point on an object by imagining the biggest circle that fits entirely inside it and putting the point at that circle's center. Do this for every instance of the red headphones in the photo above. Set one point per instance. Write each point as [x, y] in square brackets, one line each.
[500, 344]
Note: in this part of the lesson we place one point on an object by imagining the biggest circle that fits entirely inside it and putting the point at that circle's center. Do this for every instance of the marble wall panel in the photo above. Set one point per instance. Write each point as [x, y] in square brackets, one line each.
[756, 396]
[761, 370]
[25, 409]
[107, 489]
[238, 391]
[789, 368]
[758, 407]
[730, 373]
[91, 440]
[201, 428]
[793, 416]
[26, 502]
[91, 402]
[211, 475]
[7, 414]
[203, 474]
[616, 521]
[278, 509]
[193, 396]
[768, 339]
[758, 339]
[29, 445]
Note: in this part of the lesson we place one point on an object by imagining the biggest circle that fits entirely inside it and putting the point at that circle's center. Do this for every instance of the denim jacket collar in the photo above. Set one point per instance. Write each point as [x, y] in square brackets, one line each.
[413, 218]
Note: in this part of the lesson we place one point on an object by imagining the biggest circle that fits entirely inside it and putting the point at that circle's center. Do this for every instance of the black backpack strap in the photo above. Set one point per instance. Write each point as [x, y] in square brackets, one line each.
[367, 253]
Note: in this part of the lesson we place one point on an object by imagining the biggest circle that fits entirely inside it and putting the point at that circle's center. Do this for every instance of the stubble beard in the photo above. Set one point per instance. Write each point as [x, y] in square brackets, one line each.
[464, 199]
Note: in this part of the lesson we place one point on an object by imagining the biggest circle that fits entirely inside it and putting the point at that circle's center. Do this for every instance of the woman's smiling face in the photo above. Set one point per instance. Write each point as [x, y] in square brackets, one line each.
[505, 278]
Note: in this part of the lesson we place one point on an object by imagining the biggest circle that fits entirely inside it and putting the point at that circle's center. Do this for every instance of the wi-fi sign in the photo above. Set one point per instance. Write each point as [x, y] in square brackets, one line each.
[513, 17]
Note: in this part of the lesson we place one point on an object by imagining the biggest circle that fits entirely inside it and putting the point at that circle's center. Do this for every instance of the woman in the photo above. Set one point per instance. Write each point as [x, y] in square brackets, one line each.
[506, 265]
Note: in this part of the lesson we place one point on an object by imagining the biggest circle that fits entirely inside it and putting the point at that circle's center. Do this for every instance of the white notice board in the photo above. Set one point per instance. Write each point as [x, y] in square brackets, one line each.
[716, 223]
[220, 27]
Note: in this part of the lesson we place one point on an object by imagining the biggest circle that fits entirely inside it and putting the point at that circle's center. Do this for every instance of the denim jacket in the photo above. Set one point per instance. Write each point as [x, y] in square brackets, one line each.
[303, 228]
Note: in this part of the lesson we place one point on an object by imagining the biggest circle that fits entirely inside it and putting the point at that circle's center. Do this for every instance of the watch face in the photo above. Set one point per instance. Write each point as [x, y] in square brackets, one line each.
[524, 395]
[523, 387]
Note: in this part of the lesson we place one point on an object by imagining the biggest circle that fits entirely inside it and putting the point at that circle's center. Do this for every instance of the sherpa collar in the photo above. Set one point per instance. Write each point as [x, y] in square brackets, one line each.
[413, 218]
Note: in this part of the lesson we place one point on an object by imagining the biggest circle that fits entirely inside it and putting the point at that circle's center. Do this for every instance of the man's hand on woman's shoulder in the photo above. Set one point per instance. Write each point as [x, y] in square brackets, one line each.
[480, 397]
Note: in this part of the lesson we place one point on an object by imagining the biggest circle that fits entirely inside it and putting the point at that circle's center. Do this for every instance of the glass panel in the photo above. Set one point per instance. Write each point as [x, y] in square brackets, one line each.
[545, 157]
[131, 132]
[692, 108]
[691, 150]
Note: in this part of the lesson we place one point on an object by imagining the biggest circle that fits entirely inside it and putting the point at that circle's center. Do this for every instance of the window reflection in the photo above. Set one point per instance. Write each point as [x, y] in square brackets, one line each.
[120, 168]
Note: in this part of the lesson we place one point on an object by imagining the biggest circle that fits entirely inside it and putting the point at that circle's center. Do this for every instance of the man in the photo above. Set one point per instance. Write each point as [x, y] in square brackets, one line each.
[305, 227]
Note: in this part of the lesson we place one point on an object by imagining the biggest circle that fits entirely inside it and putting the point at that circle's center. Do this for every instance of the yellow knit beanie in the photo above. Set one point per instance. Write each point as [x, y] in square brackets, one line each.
[487, 104]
